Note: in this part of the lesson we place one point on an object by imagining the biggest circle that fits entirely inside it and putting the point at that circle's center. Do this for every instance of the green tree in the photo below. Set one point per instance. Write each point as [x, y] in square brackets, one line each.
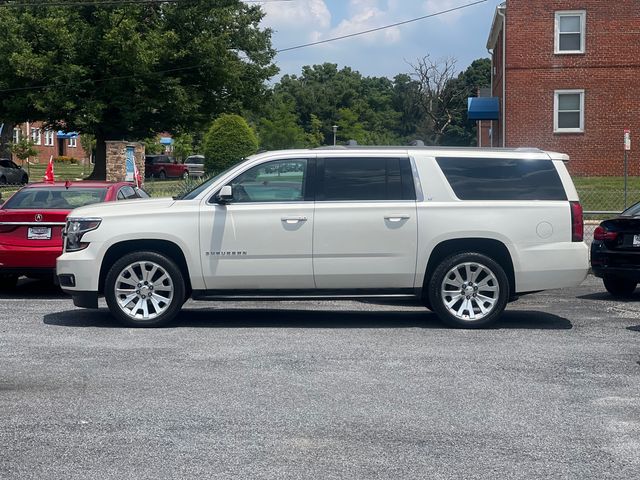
[463, 132]
[182, 146]
[280, 128]
[129, 70]
[24, 149]
[229, 140]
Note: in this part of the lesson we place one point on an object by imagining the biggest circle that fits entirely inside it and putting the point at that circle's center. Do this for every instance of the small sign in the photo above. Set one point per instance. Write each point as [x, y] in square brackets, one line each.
[627, 140]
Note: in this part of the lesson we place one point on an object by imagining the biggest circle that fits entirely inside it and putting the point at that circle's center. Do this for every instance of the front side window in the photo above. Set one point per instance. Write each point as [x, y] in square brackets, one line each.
[570, 32]
[36, 136]
[568, 111]
[127, 193]
[358, 179]
[277, 181]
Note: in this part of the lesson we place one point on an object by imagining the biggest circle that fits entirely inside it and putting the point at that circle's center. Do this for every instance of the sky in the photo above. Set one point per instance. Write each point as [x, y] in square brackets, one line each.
[461, 35]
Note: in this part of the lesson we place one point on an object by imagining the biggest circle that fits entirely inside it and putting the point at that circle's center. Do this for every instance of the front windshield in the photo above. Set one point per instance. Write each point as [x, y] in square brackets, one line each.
[632, 211]
[204, 185]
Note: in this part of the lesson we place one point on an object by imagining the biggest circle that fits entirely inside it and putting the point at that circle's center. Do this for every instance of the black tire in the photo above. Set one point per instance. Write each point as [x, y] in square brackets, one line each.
[486, 276]
[8, 281]
[619, 287]
[170, 308]
[24, 180]
[3, 181]
[162, 175]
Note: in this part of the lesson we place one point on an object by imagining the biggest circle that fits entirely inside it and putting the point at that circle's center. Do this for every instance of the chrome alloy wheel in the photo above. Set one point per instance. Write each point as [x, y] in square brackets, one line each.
[470, 291]
[144, 290]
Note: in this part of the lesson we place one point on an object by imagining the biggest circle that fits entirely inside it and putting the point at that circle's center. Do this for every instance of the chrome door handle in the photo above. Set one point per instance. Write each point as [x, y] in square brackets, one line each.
[397, 218]
[294, 219]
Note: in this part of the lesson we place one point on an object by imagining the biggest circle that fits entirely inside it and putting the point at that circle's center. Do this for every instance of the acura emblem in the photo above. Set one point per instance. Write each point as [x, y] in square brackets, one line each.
[38, 217]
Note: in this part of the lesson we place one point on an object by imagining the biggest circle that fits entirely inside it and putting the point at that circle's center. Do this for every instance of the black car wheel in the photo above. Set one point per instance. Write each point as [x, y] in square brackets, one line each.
[144, 289]
[162, 175]
[185, 176]
[3, 181]
[8, 281]
[24, 180]
[468, 290]
[619, 287]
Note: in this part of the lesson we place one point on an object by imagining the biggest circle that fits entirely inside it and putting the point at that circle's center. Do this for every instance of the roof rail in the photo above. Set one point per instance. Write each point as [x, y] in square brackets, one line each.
[528, 149]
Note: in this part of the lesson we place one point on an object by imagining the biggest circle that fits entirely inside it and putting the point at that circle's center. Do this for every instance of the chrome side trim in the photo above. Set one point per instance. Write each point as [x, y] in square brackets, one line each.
[35, 224]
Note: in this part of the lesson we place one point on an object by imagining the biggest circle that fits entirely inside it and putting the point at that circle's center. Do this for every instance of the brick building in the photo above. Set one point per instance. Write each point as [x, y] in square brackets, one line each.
[50, 142]
[567, 75]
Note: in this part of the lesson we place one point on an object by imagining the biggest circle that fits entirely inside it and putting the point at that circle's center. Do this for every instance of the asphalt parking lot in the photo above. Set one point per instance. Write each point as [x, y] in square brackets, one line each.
[325, 390]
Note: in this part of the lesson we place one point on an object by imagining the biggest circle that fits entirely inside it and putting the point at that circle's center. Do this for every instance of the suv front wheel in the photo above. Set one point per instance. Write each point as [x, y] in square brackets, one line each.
[468, 290]
[144, 289]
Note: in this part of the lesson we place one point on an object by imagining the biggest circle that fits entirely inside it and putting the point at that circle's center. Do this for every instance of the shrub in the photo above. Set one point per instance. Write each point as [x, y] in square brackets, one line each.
[229, 140]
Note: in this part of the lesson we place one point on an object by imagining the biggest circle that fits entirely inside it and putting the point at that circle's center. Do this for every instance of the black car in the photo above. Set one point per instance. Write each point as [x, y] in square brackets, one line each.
[615, 252]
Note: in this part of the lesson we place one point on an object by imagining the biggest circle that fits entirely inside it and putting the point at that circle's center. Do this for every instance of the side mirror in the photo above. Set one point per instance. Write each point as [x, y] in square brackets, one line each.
[225, 195]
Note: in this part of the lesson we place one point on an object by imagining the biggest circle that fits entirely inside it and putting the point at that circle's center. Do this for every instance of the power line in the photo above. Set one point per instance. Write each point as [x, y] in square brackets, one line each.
[192, 67]
[342, 37]
[109, 3]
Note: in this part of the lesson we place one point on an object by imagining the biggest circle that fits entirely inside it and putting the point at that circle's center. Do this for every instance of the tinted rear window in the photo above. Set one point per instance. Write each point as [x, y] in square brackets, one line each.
[55, 198]
[502, 179]
[366, 179]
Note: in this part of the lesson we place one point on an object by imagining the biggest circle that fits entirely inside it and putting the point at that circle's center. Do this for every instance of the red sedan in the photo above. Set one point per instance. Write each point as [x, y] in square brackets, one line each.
[32, 219]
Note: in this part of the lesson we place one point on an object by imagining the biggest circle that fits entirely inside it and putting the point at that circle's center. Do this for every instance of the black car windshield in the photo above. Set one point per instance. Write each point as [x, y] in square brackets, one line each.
[632, 211]
[54, 198]
[190, 195]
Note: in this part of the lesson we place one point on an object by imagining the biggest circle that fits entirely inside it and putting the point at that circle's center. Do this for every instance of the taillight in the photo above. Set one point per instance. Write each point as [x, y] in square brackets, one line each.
[577, 224]
[602, 234]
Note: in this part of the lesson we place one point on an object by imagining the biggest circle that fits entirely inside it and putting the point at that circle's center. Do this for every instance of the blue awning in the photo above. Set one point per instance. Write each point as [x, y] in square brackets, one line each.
[62, 134]
[483, 108]
[166, 140]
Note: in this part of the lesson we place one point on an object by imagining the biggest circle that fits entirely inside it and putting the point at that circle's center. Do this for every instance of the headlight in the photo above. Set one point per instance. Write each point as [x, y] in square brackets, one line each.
[75, 230]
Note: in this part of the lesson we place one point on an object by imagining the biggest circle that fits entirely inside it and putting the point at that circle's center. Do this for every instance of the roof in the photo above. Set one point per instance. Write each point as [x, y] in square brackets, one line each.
[496, 26]
[78, 184]
[479, 152]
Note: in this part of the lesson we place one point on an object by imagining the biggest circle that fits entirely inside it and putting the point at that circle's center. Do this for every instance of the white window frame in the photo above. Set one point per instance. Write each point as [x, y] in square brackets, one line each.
[73, 142]
[17, 133]
[556, 128]
[48, 138]
[583, 31]
[36, 136]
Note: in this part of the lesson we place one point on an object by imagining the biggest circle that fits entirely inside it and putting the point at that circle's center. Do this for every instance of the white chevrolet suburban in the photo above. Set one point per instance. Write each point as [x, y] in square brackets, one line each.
[464, 231]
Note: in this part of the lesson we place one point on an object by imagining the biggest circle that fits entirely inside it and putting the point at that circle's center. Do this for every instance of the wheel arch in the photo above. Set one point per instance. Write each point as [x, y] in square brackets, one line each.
[490, 247]
[164, 247]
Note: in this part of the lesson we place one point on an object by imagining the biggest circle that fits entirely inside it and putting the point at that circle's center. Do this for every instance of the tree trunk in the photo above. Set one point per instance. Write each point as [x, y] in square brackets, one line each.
[100, 159]
[5, 140]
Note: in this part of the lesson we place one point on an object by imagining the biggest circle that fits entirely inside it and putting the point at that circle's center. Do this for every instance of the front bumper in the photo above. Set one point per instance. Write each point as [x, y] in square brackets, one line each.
[83, 299]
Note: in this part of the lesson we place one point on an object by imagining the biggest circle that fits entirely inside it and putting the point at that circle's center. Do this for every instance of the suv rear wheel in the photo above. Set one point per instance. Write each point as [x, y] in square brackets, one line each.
[468, 290]
[144, 289]
[619, 287]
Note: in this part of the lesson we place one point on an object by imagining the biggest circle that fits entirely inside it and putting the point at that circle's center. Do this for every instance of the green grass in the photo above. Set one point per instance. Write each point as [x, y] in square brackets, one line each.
[61, 171]
[606, 193]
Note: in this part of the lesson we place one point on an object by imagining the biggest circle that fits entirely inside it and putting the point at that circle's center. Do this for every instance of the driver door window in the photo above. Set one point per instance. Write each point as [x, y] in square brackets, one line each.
[278, 181]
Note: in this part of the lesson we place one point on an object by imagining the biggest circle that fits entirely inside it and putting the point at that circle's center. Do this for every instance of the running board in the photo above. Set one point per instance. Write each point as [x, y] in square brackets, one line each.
[289, 295]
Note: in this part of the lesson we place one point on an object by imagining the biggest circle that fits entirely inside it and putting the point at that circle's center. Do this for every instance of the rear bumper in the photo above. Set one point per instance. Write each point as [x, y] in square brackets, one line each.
[23, 257]
[549, 266]
[610, 263]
